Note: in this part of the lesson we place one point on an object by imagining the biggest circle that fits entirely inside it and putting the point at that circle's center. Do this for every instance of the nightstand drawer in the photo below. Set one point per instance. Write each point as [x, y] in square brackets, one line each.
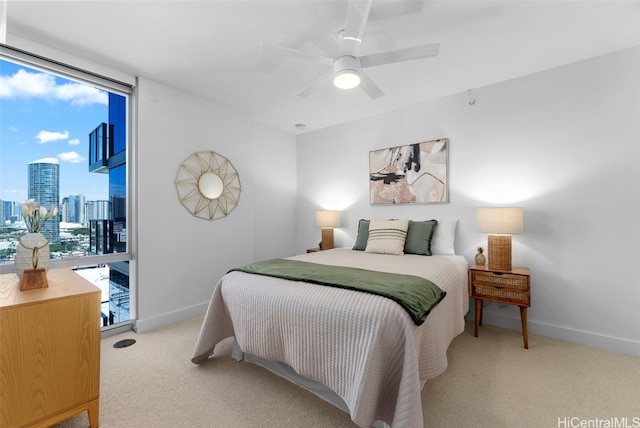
[511, 295]
[505, 280]
[503, 287]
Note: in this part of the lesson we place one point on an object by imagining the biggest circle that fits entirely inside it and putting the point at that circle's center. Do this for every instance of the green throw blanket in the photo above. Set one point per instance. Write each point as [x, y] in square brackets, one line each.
[418, 296]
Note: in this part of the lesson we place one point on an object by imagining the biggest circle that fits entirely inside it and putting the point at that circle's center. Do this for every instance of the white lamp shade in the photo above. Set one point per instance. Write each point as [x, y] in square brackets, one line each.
[500, 220]
[328, 218]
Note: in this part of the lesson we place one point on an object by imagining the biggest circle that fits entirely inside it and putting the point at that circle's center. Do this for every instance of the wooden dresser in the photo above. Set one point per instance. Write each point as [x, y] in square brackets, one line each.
[49, 350]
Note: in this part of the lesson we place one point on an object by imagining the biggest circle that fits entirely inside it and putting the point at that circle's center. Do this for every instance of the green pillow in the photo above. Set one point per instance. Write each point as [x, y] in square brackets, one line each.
[363, 235]
[419, 235]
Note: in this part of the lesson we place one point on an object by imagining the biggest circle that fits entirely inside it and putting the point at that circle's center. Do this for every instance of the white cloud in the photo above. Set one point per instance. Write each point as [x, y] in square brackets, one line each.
[74, 142]
[13, 128]
[71, 157]
[43, 85]
[45, 137]
[81, 95]
[23, 83]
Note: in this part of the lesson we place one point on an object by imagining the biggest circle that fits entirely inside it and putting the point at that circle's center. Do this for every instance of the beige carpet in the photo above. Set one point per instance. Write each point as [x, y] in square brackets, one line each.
[491, 382]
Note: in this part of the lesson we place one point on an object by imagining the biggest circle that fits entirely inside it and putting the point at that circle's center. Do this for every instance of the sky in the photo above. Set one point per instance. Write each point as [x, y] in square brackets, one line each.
[45, 116]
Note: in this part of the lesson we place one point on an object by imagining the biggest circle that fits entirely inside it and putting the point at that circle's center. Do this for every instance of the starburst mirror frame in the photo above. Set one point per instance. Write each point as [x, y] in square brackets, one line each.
[208, 185]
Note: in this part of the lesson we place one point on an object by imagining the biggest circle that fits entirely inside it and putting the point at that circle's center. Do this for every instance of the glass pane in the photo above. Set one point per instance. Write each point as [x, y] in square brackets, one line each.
[63, 143]
[113, 280]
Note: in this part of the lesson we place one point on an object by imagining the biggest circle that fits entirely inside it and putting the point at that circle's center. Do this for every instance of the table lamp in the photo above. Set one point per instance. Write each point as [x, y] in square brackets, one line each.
[500, 223]
[327, 220]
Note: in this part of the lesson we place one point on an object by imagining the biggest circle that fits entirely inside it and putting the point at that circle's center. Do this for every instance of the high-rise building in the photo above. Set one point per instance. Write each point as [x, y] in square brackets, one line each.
[44, 188]
[108, 219]
[6, 210]
[64, 210]
[77, 210]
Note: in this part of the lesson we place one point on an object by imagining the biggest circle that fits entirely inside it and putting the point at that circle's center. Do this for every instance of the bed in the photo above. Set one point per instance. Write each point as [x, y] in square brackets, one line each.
[359, 351]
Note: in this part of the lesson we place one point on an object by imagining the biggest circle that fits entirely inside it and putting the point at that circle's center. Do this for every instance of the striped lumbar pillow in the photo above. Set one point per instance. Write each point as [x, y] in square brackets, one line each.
[387, 236]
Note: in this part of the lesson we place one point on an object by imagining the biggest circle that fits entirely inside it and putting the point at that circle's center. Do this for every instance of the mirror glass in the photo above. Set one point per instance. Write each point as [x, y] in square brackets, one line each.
[210, 185]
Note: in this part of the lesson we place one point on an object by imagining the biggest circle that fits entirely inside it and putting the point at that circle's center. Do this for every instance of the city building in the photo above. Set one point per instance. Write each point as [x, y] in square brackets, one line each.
[9, 212]
[77, 211]
[64, 210]
[108, 219]
[44, 188]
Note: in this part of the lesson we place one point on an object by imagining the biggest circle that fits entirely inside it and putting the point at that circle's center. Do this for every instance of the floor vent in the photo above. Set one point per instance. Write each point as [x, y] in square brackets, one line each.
[124, 343]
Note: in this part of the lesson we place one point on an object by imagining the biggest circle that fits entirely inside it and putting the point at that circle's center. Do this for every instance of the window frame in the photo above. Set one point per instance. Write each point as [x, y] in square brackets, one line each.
[127, 89]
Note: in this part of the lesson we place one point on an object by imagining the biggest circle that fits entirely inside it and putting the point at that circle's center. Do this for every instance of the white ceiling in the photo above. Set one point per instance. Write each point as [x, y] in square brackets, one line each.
[211, 48]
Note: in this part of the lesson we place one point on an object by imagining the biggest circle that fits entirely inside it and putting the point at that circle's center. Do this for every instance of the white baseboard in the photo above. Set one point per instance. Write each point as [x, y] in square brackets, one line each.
[148, 324]
[580, 337]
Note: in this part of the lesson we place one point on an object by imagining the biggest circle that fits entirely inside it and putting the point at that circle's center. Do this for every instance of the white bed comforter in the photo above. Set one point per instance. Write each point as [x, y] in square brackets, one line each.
[364, 347]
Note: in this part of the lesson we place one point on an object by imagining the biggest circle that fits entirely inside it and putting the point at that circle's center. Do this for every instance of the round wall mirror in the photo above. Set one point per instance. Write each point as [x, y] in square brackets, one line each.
[208, 185]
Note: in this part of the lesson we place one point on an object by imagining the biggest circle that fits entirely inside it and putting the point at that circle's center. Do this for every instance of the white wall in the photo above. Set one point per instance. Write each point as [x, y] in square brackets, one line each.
[181, 257]
[564, 144]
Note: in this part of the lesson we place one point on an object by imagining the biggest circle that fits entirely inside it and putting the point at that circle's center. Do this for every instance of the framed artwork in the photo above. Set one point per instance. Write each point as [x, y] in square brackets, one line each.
[411, 174]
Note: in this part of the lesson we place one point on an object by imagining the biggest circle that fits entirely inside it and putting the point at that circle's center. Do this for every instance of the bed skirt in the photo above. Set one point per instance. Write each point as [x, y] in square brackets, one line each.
[286, 372]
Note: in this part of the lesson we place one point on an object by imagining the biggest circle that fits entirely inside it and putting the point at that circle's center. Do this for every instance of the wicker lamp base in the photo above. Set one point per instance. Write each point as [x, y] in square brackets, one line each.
[327, 238]
[499, 252]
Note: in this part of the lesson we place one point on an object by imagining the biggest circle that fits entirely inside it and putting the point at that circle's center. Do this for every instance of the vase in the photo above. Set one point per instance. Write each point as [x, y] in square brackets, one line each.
[32, 252]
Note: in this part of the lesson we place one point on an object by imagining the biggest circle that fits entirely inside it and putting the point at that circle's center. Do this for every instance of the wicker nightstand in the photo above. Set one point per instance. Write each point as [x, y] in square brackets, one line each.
[512, 287]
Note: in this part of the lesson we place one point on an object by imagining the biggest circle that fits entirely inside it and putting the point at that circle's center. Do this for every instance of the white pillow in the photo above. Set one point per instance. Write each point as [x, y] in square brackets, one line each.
[387, 236]
[444, 238]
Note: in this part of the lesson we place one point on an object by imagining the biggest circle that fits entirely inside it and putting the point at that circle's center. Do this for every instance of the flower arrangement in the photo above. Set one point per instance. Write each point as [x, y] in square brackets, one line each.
[35, 215]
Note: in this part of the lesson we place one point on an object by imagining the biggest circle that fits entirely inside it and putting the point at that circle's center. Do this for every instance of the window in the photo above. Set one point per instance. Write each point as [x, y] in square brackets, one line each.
[65, 141]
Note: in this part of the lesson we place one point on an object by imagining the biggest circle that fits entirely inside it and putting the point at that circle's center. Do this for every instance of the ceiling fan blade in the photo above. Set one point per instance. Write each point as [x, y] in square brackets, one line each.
[316, 85]
[369, 87]
[308, 56]
[315, 35]
[357, 16]
[417, 52]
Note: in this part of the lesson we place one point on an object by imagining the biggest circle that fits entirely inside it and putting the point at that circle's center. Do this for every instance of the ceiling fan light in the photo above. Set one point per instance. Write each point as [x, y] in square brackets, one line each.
[346, 79]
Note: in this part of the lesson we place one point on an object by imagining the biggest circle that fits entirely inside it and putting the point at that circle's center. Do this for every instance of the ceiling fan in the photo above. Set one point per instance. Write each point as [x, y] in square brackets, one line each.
[347, 69]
